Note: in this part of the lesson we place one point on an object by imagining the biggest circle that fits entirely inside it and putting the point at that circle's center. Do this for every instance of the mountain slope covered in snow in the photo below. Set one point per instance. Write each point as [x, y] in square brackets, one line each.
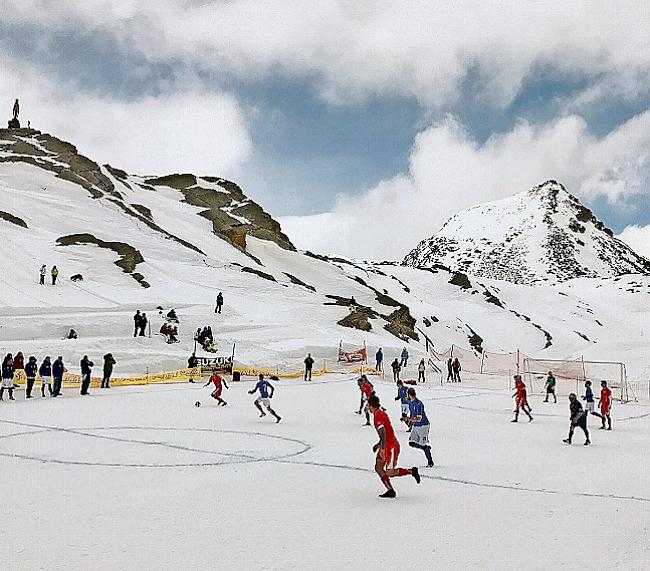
[176, 241]
[541, 235]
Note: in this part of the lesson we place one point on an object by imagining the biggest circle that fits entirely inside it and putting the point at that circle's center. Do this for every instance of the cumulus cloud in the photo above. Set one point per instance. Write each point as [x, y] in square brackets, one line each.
[449, 171]
[355, 49]
[189, 130]
[637, 238]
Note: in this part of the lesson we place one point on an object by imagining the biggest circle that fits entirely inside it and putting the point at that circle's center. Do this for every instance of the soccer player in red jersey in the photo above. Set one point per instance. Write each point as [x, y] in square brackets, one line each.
[521, 400]
[605, 405]
[216, 394]
[387, 449]
[367, 389]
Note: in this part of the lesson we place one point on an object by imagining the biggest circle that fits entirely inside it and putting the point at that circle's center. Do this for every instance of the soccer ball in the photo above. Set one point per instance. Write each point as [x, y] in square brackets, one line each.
[197, 404]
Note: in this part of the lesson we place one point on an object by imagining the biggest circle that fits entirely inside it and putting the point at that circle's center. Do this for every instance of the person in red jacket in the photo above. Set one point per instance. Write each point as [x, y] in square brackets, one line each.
[521, 399]
[605, 405]
[387, 449]
[218, 382]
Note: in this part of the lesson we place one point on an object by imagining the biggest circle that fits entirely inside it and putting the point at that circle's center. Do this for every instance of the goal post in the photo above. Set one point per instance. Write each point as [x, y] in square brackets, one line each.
[572, 374]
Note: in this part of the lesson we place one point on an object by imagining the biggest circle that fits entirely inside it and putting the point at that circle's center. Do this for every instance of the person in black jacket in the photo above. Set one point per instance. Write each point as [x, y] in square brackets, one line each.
[45, 372]
[578, 417]
[86, 371]
[309, 364]
[7, 377]
[31, 370]
[217, 309]
[109, 362]
[58, 368]
[136, 323]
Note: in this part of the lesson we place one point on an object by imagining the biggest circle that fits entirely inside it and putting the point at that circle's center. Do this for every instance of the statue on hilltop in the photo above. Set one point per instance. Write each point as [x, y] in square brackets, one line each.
[14, 123]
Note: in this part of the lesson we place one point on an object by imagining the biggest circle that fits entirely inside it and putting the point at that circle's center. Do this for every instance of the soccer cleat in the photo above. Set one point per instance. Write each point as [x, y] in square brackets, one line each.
[530, 419]
[367, 424]
[430, 464]
[601, 428]
[566, 441]
[416, 474]
[263, 414]
[587, 442]
[388, 494]
[278, 420]
[514, 420]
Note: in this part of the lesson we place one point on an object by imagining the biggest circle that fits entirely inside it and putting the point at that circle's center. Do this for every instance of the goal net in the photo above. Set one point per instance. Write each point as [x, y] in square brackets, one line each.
[572, 374]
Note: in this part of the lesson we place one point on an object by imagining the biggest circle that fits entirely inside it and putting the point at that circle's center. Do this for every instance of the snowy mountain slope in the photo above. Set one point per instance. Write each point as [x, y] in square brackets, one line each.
[542, 235]
[279, 303]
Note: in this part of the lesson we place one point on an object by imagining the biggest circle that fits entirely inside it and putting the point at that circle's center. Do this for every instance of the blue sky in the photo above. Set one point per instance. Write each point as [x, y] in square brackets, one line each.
[328, 110]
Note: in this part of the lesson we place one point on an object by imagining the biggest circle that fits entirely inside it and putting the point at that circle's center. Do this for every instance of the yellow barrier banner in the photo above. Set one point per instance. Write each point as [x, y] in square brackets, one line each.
[182, 375]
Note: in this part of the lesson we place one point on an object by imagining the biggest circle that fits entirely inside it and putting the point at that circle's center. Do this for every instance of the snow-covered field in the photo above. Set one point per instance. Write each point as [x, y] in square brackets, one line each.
[139, 478]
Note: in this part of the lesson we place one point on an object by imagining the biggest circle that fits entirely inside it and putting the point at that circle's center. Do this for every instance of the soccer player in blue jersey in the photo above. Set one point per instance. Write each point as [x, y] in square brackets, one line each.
[419, 426]
[402, 396]
[266, 394]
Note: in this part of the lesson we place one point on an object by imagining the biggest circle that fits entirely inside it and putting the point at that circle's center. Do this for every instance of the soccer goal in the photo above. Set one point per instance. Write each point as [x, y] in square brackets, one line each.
[572, 374]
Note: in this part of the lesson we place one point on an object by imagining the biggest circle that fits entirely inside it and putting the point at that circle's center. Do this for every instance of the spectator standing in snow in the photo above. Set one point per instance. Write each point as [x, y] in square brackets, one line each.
[143, 324]
[379, 360]
[42, 273]
[192, 363]
[86, 371]
[31, 369]
[136, 323]
[109, 362]
[55, 274]
[45, 372]
[58, 368]
[457, 368]
[19, 365]
[217, 309]
[421, 369]
[7, 377]
[450, 369]
[404, 358]
[396, 369]
[309, 364]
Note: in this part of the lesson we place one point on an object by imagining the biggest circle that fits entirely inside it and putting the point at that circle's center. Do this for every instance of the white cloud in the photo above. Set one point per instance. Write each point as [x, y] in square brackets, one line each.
[448, 172]
[188, 131]
[354, 49]
[637, 238]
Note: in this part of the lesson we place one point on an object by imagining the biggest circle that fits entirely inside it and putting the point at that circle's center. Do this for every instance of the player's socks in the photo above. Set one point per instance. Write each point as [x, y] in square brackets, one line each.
[427, 453]
[386, 481]
[388, 494]
[404, 472]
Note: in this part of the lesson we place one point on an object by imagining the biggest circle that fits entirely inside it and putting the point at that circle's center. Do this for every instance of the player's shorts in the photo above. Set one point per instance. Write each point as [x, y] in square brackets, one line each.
[391, 455]
[582, 422]
[590, 407]
[406, 411]
[265, 401]
[420, 435]
[604, 408]
[216, 393]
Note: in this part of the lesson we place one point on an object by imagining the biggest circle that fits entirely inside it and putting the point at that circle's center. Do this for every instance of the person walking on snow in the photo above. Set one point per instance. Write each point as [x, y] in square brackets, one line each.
[136, 323]
[404, 358]
[42, 273]
[31, 370]
[379, 360]
[421, 369]
[219, 305]
[578, 417]
[521, 400]
[457, 368]
[7, 377]
[550, 387]
[109, 362]
[266, 394]
[396, 369]
[55, 274]
[86, 370]
[45, 372]
[58, 368]
[309, 364]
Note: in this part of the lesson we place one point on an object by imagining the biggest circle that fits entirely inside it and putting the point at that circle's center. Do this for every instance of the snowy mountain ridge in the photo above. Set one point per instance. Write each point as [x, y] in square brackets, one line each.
[541, 235]
[176, 241]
